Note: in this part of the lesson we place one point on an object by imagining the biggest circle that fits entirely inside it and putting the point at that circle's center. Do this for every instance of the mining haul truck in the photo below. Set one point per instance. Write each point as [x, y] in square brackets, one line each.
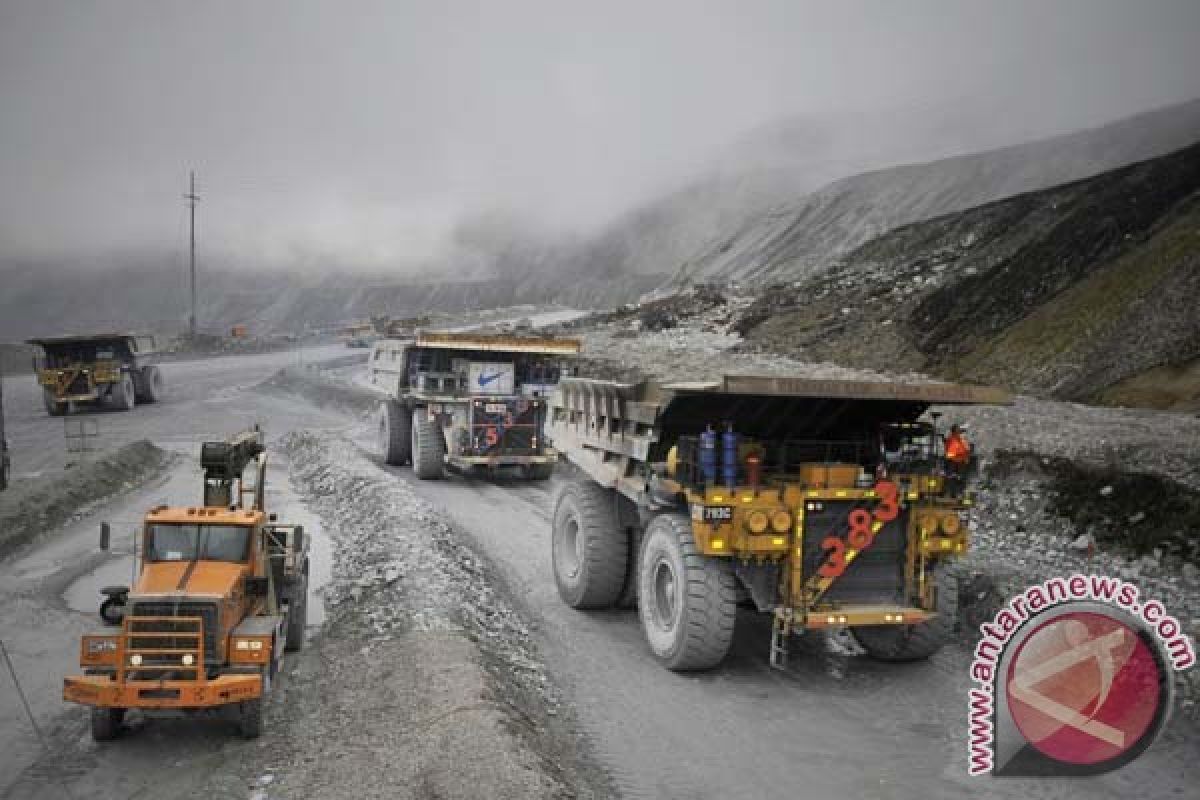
[472, 401]
[221, 593]
[117, 368]
[827, 504]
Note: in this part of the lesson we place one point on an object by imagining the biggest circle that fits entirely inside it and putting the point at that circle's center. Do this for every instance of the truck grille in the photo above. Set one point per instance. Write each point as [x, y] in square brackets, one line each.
[876, 575]
[207, 612]
[506, 426]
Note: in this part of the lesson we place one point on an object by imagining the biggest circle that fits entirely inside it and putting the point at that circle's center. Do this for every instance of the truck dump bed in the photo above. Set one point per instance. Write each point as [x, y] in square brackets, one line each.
[605, 426]
[498, 343]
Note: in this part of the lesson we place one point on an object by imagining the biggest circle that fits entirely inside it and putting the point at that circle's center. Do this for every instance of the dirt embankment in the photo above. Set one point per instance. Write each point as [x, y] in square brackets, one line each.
[31, 507]
[321, 389]
[1087, 291]
[424, 681]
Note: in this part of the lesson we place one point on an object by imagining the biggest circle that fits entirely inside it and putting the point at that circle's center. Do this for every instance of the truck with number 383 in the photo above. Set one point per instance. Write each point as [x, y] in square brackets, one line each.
[826, 504]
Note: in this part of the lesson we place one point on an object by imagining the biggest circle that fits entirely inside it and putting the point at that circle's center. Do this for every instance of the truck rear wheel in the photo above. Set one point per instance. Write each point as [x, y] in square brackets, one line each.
[687, 601]
[426, 447]
[395, 434]
[151, 388]
[913, 642]
[53, 407]
[106, 723]
[589, 549]
[297, 619]
[123, 394]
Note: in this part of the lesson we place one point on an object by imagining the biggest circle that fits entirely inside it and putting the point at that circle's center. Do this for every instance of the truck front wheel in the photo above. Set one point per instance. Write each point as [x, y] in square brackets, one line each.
[589, 549]
[687, 601]
[106, 723]
[395, 434]
[426, 447]
[53, 407]
[914, 642]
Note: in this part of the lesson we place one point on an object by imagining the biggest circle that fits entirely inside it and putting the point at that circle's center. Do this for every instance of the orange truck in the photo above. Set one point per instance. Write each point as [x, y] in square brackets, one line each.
[221, 593]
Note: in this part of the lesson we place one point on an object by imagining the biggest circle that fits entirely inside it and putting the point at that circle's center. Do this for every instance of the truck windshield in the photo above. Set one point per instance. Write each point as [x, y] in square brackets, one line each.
[199, 542]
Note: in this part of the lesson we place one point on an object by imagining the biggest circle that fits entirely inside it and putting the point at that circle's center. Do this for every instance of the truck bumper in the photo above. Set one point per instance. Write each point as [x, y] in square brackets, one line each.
[506, 460]
[849, 616]
[104, 692]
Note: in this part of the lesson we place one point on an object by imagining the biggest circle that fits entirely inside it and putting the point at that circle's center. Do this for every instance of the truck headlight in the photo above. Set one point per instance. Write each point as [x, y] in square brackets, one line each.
[248, 644]
[781, 522]
[188, 659]
[757, 521]
[97, 646]
[136, 659]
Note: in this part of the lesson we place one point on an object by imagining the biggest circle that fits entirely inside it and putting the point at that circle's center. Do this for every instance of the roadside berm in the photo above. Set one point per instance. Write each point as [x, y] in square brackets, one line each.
[424, 681]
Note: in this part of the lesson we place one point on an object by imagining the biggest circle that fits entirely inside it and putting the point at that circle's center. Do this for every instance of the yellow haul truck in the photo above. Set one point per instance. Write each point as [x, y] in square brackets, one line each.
[221, 592]
[828, 504]
[118, 368]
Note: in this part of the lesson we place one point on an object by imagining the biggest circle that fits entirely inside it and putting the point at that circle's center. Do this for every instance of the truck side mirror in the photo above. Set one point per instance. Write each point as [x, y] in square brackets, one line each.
[256, 587]
[105, 535]
[298, 538]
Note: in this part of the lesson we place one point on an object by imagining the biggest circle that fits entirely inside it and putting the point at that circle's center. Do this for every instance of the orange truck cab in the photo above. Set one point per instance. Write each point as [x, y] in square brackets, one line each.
[220, 595]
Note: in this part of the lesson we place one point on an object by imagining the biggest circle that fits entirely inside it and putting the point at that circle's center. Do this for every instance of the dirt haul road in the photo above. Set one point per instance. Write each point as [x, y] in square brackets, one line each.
[834, 724]
[48, 590]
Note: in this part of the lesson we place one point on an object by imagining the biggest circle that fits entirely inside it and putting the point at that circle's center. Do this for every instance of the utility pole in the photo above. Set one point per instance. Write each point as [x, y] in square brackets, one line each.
[192, 197]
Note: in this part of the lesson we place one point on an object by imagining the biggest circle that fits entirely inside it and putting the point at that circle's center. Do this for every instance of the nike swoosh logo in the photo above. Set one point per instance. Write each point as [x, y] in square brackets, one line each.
[484, 380]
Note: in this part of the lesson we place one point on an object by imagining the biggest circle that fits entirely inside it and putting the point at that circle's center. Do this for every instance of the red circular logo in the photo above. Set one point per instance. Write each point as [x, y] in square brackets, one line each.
[1084, 688]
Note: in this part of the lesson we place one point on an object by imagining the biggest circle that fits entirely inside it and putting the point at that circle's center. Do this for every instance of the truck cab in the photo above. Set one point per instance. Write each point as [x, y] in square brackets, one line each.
[220, 594]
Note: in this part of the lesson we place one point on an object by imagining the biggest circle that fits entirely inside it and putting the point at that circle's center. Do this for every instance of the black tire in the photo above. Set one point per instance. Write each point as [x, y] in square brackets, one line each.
[687, 601]
[106, 723]
[539, 472]
[250, 717]
[123, 396]
[151, 386]
[297, 619]
[53, 407]
[395, 434]
[112, 610]
[589, 549]
[914, 642]
[4, 467]
[427, 449]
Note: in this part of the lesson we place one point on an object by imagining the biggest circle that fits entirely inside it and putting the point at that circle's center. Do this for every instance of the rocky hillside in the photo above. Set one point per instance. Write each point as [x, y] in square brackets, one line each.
[1087, 291]
[797, 238]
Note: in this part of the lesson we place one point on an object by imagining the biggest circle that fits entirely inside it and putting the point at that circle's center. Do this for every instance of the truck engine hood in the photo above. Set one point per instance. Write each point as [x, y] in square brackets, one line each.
[216, 579]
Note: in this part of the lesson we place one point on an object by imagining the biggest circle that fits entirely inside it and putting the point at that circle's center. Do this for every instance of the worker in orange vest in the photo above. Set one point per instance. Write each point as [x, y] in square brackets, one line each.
[958, 457]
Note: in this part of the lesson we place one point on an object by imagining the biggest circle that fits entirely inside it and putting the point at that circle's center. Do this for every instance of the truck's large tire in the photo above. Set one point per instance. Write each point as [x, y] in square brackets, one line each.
[427, 450]
[914, 642]
[151, 386]
[53, 407]
[106, 723]
[4, 467]
[123, 395]
[395, 433]
[250, 712]
[589, 549]
[687, 601]
[297, 619]
[539, 472]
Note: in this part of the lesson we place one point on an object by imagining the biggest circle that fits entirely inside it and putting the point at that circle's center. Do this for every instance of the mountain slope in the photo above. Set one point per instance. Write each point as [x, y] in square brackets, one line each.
[1087, 291]
[796, 239]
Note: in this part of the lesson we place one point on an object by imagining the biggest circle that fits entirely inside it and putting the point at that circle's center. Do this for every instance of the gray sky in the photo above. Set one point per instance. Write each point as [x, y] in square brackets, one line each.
[365, 130]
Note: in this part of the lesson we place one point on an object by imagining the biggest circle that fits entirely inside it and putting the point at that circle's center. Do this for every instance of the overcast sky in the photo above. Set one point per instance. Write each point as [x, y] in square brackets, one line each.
[366, 130]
